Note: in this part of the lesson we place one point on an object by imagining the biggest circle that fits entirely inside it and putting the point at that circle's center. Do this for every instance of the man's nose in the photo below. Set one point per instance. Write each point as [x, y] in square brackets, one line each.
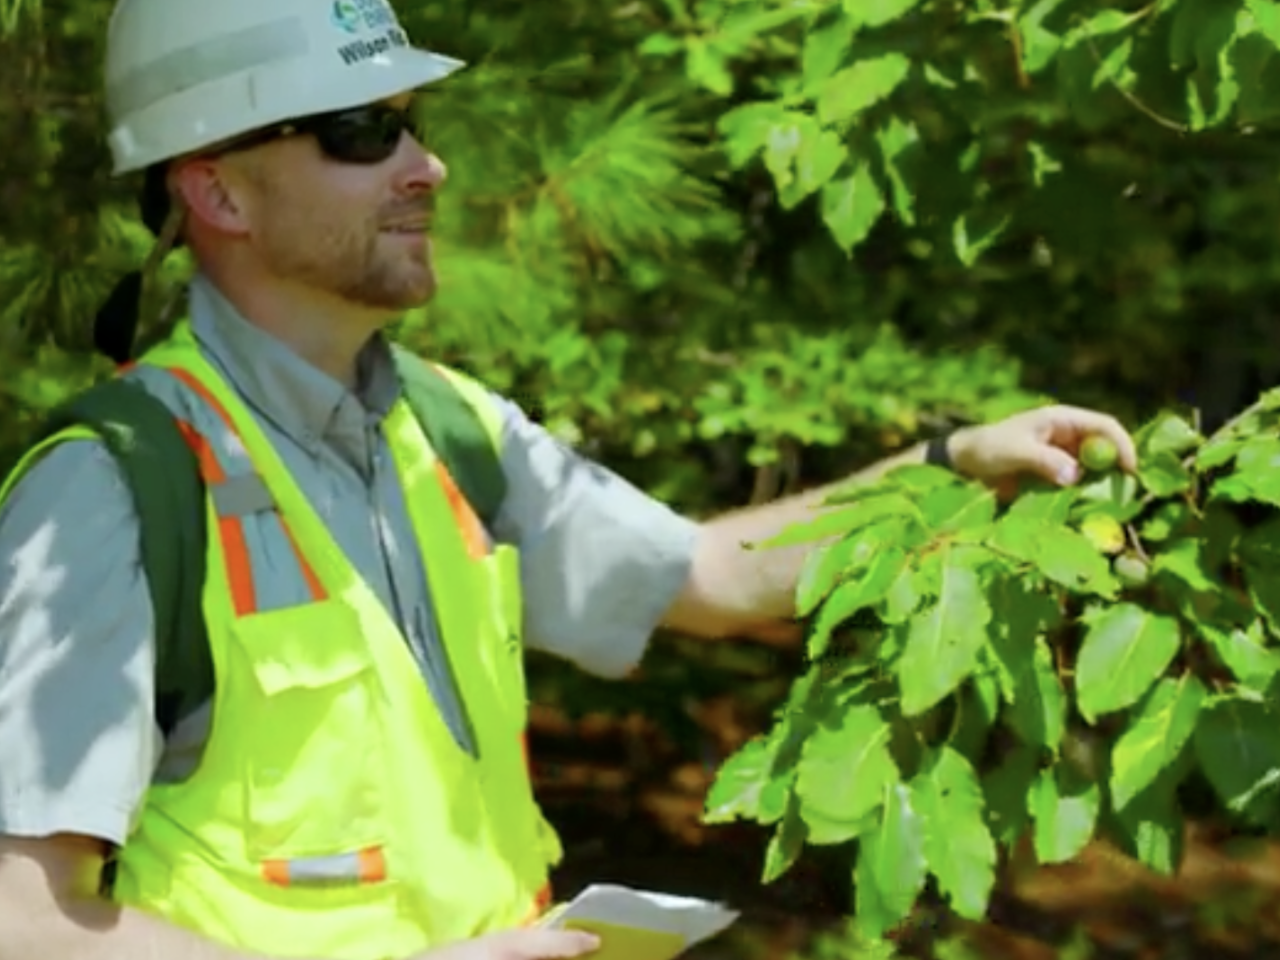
[420, 170]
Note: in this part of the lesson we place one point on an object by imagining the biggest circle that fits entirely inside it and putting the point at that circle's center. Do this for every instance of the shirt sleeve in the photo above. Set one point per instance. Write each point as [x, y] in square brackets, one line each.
[601, 561]
[78, 742]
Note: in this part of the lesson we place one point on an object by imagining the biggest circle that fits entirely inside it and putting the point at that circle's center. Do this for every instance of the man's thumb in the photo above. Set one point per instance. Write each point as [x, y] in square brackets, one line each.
[1057, 466]
[562, 944]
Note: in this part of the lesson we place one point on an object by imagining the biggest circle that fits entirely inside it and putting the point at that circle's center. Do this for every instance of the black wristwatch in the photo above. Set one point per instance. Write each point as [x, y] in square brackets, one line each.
[936, 452]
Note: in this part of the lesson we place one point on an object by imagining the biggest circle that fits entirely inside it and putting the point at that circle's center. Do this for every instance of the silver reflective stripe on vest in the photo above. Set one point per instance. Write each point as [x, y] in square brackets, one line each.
[342, 869]
[241, 495]
[200, 63]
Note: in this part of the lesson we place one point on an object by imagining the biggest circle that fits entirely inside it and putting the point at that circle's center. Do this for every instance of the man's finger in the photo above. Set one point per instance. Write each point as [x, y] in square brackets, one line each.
[1056, 465]
[1083, 422]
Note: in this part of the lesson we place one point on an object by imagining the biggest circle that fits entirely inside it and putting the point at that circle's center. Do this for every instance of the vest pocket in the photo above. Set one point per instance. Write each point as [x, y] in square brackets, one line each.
[305, 694]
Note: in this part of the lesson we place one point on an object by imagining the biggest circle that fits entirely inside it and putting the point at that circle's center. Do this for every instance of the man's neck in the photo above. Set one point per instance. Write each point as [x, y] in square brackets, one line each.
[325, 332]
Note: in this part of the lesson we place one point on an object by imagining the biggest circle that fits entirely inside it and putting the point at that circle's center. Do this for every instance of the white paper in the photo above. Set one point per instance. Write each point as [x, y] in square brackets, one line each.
[694, 919]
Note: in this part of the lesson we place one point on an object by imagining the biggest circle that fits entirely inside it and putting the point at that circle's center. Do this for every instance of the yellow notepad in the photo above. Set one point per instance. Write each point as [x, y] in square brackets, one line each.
[638, 924]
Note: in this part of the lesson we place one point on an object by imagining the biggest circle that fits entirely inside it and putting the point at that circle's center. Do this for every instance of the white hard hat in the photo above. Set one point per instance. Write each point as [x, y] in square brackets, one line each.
[186, 74]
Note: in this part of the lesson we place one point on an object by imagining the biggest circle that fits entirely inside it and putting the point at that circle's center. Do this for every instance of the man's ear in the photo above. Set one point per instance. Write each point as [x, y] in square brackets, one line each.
[214, 193]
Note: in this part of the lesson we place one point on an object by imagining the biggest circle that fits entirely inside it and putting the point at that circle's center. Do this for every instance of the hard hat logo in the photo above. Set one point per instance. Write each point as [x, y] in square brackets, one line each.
[352, 16]
[346, 16]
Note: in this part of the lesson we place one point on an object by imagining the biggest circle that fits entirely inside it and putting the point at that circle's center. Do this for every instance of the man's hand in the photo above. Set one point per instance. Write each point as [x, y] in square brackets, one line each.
[1043, 442]
[532, 943]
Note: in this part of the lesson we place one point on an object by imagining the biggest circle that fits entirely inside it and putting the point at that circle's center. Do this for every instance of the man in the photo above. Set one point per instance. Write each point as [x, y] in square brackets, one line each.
[354, 788]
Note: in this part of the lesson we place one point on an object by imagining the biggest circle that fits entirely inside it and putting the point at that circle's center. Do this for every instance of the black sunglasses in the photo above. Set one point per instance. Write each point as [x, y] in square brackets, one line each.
[363, 135]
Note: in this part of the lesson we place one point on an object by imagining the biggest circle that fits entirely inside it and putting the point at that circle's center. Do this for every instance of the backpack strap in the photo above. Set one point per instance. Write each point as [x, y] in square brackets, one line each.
[161, 473]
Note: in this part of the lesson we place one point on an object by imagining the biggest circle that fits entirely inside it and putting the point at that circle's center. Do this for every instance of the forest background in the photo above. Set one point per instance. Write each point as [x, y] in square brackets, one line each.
[735, 248]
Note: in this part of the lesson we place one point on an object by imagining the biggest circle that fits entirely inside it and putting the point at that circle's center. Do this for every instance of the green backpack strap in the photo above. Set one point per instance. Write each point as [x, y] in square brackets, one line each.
[162, 475]
[445, 404]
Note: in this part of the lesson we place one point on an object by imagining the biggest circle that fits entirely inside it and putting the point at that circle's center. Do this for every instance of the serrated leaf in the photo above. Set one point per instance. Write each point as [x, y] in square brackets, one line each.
[1243, 653]
[1156, 735]
[821, 570]
[1151, 824]
[854, 595]
[891, 868]
[977, 707]
[956, 507]
[1162, 524]
[1007, 789]
[851, 206]
[902, 598]
[1163, 475]
[746, 128]
[1125, 649]
[1167, 433]
[1183, 559]
[843, 521]
[943, 642]
[1037, 708]
[785, 845]
[1063, 555]
[848, 92]
[819, 157]
[894, 139]
[1043, 501]
[976, 231]
[844, 770]
[1237, 744]
[825, 47]
[736, 790]
[1065, 808]
[957, 844]
[1114, 494]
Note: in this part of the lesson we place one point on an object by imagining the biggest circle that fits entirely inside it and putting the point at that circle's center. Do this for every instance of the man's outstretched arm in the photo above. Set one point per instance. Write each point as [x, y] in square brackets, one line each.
[733, 591]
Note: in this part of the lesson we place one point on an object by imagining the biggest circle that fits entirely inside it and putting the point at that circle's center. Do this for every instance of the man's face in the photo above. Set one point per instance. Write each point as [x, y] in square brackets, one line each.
[359, 231]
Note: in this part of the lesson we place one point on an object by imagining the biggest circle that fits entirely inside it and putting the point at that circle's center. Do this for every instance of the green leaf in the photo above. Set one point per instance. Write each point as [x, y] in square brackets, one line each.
[1038, 706]
[1162, 474]
[1007, 789]
[1237, 744]
[816, 162]
[1155, 737]
[786, 843]
[1243, 652]
[736, 790]
[825, 47]
[845, 769]
[745, 129]
[1266, 16]
[859, 86]
[891, 868]
[1151, 823]
[1063, 555]
[1043, 501]
[876, 13]
[1183, 559]
[977, 708]
[851, 206]
[821, 571]
[895, 138]
[943, 642]
[1065, 808]
[829, 523]
[1125, 649]
[854, 595]
[952, 508]
[976, 231]
[1167, 433]
[957, 844]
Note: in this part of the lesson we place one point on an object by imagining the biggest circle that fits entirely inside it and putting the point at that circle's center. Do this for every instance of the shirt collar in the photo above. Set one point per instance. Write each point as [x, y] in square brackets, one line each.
[300, 399]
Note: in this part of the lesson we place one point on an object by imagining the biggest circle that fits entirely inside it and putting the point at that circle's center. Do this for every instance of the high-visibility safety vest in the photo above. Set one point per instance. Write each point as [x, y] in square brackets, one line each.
[333, 813]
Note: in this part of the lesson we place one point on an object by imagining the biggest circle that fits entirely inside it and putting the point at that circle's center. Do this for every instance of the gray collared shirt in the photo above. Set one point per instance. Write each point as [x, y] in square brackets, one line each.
[601, 562]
